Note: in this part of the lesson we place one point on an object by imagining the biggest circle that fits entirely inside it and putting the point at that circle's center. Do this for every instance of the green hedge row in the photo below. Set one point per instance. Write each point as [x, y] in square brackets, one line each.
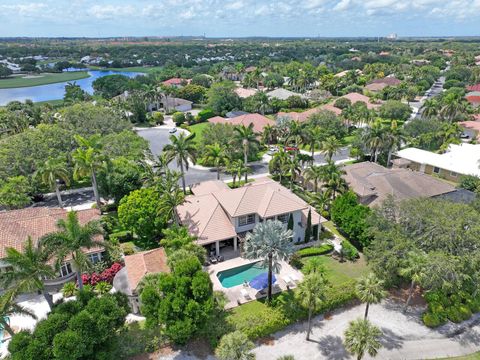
[314, 251]
[259, 320]
[456, 308]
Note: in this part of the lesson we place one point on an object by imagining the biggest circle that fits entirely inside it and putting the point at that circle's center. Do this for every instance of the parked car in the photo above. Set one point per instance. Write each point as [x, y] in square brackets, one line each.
[291, 148]
[173, 131]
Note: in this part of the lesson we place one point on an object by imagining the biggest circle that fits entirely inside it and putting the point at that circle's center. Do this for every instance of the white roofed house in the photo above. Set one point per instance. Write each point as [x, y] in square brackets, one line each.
[220, 217]
[457, 160]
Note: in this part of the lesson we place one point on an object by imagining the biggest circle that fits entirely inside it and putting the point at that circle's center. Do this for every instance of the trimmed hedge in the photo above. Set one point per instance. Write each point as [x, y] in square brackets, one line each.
[456, 308]
[314, 251]
[349, 251]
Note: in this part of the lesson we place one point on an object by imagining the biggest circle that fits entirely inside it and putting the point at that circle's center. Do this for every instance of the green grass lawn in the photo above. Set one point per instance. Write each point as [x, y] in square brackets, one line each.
[330, 226]
[475, 356]
[58, 102]
[337, 272]
[197, 129]
[41, 79]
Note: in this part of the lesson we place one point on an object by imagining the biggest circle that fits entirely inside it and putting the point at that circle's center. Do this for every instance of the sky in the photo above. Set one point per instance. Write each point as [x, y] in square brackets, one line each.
[239, 18]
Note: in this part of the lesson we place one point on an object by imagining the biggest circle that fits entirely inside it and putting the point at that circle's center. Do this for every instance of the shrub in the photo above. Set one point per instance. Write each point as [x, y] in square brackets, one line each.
[128, 248]
[296, 261]
[106, 275]
[122, 236]
[178, 118]
[432, 320]
[69, 289]
[204, 115]
[103, 287]
[454, 314]
[314, 251]
[349, 251]
[157, 118]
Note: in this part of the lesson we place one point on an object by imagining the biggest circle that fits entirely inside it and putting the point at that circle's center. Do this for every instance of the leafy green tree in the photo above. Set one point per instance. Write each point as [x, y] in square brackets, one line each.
[5, 71]
[88, 159]
[182, 149]
[314, 173]
[28, 269]
[139, 212]
[370, 290]
[119, 178]
[332, 179]
[395, 110]
[110, 86]
[235, 346]
[311, 294]
[51, 173]
[71, 240]
[14, 192]
[125, 144]
[177, 238]
[180, 301]
[222, 98]
[374, 139]
[170, 197]
[192, 92]
[362, 337]
[270, 242]
[330, 147]
[74, 93]
[412, 269]
[246, 136]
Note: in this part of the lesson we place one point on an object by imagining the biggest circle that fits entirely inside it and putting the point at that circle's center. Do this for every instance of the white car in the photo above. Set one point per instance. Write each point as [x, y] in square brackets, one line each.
[173, 131]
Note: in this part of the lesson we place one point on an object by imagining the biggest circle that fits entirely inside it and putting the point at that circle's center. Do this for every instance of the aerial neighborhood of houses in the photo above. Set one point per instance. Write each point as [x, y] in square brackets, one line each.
[284, 199]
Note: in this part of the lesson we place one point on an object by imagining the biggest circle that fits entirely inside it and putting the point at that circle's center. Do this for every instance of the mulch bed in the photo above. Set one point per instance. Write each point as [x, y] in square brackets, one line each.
[267, 340]
[401, 295]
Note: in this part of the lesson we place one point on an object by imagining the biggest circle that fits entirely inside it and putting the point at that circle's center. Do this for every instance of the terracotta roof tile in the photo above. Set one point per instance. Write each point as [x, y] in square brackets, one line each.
[259, 121]
[143, 263]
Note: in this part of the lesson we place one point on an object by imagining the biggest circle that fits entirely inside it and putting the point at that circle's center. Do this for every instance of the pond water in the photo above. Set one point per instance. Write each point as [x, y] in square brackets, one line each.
[57, 90]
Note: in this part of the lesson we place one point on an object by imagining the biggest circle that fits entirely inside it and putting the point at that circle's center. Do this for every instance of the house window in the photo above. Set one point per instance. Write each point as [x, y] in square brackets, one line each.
[283, 218]
[436, 170]
[65, 269]
[94, 258]
[453, 174]
[246, 220]
[271, 218]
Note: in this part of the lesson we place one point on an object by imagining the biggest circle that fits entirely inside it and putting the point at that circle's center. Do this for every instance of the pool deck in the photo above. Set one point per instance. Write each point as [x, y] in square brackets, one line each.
[234, 295]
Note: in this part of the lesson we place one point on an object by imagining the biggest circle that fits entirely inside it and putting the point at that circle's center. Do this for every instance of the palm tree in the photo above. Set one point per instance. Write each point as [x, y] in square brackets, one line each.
[370, 290]
[149, 94]
[88, 160]
[313, 136]
[236, 169]
[262, 102]
[362, 337]
[28, 269]
[51, 172]
[215, 154]
[430, 108]
[269, 241]
[412, 269]
[295, 133]
[171, 197]
[70, 241]
[182, 149]
[278, 163]
[374, 139]
[393, 139]
[235, 346]
[330, 146]
[333, 180]
[268, 134]
[321, 200]
[314, 173]
[311, 294]
[8, 307]
[453, 106]
[246, 136]
[293, 167]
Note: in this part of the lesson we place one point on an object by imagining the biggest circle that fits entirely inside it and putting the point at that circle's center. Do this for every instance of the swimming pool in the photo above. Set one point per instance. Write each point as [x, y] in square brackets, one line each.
[238, 275]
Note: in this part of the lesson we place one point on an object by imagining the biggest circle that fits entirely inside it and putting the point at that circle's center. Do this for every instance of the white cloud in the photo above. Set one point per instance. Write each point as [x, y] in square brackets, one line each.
[111, 11]
[342, 5]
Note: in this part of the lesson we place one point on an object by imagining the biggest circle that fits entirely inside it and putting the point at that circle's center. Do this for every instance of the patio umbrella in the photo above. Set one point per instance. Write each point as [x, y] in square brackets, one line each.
[260, 282]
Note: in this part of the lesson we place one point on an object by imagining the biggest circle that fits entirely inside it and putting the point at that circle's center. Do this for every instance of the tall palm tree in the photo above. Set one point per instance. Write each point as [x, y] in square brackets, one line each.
[8, 307]
[182, 149]
[330, 146]
[333, 181]
[262, 102]
[314, 173]
[215, 154]
[362, 337]
[149, 94]
[370, 290]
[430, 108]
[246, 136]
[268, 134]
[294, 169]
[51, 172]
[278, 163]
[311, 294]
[295, 133]
[170, 197]
[393, 139]
[453, 105]
[270, 242]
[88, 159]
[70, 241]
[412, 269]
[374, 139]
[28, 269]
[313, 135]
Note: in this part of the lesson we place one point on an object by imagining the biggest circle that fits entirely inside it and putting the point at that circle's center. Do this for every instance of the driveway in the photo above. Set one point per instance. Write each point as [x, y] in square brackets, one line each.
[159, 137]
[404, 337]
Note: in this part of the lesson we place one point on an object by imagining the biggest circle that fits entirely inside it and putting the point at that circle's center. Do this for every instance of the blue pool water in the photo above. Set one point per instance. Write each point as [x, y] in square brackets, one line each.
[237, 276]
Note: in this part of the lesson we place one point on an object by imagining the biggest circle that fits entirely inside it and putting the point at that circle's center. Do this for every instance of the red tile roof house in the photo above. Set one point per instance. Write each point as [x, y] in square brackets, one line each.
[475, 87]
[176, 82]
[259, 121]
[17, 225]
[471, 128]
[473, 98]
[137, 266]
[220, 217]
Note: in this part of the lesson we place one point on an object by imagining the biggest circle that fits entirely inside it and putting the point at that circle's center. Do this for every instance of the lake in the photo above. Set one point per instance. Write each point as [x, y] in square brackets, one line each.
[57, 90]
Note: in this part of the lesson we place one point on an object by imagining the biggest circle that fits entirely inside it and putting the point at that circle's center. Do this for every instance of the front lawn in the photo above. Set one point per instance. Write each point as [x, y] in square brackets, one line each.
[339, 273]
[197, 129]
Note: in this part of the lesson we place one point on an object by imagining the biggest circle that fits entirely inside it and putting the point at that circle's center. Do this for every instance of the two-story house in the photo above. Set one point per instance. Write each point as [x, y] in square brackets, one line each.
[17, 225]
[219, 216]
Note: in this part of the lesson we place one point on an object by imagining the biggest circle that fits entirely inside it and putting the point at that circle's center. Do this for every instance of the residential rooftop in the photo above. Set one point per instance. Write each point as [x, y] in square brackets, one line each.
[259, 121]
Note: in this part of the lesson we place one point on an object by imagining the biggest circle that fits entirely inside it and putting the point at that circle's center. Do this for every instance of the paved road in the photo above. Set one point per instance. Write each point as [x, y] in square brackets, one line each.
[159, 137]
[435, 90]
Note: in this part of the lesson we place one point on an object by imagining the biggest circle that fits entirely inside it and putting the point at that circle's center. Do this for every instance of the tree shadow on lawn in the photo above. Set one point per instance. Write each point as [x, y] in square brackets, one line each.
[332, 347]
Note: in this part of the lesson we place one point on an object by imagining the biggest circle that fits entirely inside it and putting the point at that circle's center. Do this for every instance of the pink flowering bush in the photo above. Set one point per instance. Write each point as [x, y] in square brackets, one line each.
[106, 275]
